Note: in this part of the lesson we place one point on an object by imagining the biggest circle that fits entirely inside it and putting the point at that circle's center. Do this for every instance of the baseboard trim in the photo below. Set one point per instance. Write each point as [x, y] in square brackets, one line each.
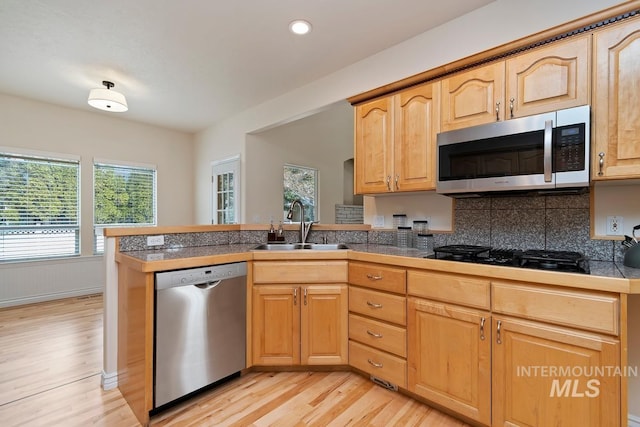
[109, 380]
[51, 297]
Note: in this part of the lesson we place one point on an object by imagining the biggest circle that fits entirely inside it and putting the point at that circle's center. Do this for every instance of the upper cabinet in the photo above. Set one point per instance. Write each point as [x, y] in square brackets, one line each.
[548, 78]
[395, 141]
[616, 107]
[473, 97]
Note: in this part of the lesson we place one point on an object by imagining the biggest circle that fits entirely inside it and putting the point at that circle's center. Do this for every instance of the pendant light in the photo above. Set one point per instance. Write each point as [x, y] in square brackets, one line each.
[107, 99]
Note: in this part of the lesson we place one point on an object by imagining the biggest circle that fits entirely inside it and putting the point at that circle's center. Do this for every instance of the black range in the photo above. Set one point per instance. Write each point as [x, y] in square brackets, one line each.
[565, 261]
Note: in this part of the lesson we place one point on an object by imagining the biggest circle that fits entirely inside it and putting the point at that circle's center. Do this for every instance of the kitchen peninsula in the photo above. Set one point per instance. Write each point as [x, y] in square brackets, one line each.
[491, 317]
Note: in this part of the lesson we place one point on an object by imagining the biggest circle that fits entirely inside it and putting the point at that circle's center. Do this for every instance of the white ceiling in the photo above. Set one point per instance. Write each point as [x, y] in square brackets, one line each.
[185, 64]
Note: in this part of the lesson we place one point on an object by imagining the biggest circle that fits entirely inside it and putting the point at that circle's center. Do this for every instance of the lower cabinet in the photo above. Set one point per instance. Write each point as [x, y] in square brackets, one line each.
[299, 325]
[550, 376]
[534, 356]
[378, 321]
[449, 357]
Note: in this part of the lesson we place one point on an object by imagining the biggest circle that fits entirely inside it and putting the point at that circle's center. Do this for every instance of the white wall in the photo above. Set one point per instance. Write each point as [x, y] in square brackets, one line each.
[495, 24]
[32, 125]
[616, 198]
[322, 141]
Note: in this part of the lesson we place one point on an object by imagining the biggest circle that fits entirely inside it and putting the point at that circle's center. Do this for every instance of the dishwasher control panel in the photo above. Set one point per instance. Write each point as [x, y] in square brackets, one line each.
[200, 275]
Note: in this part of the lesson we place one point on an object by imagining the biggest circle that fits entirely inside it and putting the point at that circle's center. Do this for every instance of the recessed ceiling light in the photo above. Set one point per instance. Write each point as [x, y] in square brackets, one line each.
[300, 26]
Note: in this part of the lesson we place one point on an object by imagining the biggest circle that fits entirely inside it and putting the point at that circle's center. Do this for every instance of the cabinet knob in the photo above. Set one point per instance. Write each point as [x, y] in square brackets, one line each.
[498, 337]
[389, 182]
[511, 101]
[497, 111]
[482, 329]
[295, 296]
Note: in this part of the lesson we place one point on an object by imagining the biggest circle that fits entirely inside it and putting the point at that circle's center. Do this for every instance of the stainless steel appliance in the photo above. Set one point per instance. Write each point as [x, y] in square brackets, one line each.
[200, 328]
[565, 261]
[543, 152]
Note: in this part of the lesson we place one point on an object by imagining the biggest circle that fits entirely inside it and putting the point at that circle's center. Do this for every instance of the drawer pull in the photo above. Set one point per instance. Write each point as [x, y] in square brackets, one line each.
[374, 364]
[373, 334]
[374, 305]
[374, 277]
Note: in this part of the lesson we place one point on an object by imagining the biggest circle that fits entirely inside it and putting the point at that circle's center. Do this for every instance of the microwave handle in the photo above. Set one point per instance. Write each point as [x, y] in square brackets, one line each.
[548, 138]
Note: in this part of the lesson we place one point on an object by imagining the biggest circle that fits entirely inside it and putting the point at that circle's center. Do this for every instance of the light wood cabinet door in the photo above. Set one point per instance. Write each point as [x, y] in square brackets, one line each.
[449, 357]
[472, 97]
[549, 78]
[276, 325]
[416, 125]
[324, 320]
[616, 109]
[373, 146]
[530, 388]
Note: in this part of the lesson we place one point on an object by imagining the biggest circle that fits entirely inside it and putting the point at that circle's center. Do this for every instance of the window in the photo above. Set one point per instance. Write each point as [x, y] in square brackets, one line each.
[123, 195]
[225, 191]
[39, 205]
[301, 183]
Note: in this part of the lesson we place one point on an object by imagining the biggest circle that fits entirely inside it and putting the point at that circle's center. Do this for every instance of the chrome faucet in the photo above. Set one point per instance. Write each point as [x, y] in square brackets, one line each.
[304, 227]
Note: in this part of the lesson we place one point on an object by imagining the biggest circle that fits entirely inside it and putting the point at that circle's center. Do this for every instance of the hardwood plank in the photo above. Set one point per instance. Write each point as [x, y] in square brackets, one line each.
[51, 359]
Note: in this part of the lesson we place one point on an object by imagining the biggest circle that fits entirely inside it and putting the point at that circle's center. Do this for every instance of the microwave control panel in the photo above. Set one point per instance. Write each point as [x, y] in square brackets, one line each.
[569, 150]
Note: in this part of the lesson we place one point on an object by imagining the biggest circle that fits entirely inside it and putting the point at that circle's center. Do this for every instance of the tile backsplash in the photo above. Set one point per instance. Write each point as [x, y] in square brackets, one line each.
[559, 222]
[529, 222]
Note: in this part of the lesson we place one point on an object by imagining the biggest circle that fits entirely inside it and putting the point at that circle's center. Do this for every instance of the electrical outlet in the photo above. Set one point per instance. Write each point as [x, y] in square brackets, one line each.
[614, 225]
[378, 221]
[155, 240]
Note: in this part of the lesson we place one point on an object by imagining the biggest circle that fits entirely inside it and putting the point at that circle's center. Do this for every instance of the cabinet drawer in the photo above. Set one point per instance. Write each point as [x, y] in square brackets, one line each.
[378, 363]
[378, 335]
[595, 311]
[453, 288]
[392, 308]
[377, 276]
[300, 272]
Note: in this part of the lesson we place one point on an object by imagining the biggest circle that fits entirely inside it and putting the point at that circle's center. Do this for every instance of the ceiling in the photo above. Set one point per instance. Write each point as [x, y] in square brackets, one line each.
[185, 64]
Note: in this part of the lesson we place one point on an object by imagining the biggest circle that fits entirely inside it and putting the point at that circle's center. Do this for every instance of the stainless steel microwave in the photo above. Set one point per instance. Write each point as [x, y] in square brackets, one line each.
[536, 153]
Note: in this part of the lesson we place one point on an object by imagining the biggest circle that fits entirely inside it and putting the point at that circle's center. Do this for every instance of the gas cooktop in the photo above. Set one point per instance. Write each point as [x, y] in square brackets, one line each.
[564, 261]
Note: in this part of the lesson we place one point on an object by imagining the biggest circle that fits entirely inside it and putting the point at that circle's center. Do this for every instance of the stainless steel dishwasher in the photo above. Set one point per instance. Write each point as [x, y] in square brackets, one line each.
[200, 328]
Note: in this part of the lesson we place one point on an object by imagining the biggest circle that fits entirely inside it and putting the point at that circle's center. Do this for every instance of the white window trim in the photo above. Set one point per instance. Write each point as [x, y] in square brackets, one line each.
[53, 156]
[229, 164]
[97, 228]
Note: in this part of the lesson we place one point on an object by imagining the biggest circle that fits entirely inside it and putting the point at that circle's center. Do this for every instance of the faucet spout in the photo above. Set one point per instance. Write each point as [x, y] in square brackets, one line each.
[304, 227]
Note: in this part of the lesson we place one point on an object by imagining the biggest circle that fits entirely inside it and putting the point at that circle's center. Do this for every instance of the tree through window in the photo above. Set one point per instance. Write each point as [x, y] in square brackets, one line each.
[301, 183]
[122, 196]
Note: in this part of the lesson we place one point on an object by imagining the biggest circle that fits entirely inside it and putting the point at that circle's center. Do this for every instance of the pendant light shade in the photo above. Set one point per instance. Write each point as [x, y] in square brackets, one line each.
[107, 99]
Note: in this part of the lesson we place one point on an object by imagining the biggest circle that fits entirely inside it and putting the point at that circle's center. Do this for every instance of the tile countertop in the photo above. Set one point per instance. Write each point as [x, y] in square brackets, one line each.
[169, 259]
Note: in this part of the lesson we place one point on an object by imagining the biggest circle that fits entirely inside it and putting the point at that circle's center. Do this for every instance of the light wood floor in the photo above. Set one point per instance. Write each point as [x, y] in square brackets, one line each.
[51, 360]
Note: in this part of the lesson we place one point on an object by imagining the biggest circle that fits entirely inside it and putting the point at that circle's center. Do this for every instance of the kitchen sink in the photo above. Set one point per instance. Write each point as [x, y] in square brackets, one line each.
[296, 246]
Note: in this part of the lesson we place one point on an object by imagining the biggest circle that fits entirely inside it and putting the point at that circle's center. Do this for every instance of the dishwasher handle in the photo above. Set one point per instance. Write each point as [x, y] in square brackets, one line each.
[209, 285]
